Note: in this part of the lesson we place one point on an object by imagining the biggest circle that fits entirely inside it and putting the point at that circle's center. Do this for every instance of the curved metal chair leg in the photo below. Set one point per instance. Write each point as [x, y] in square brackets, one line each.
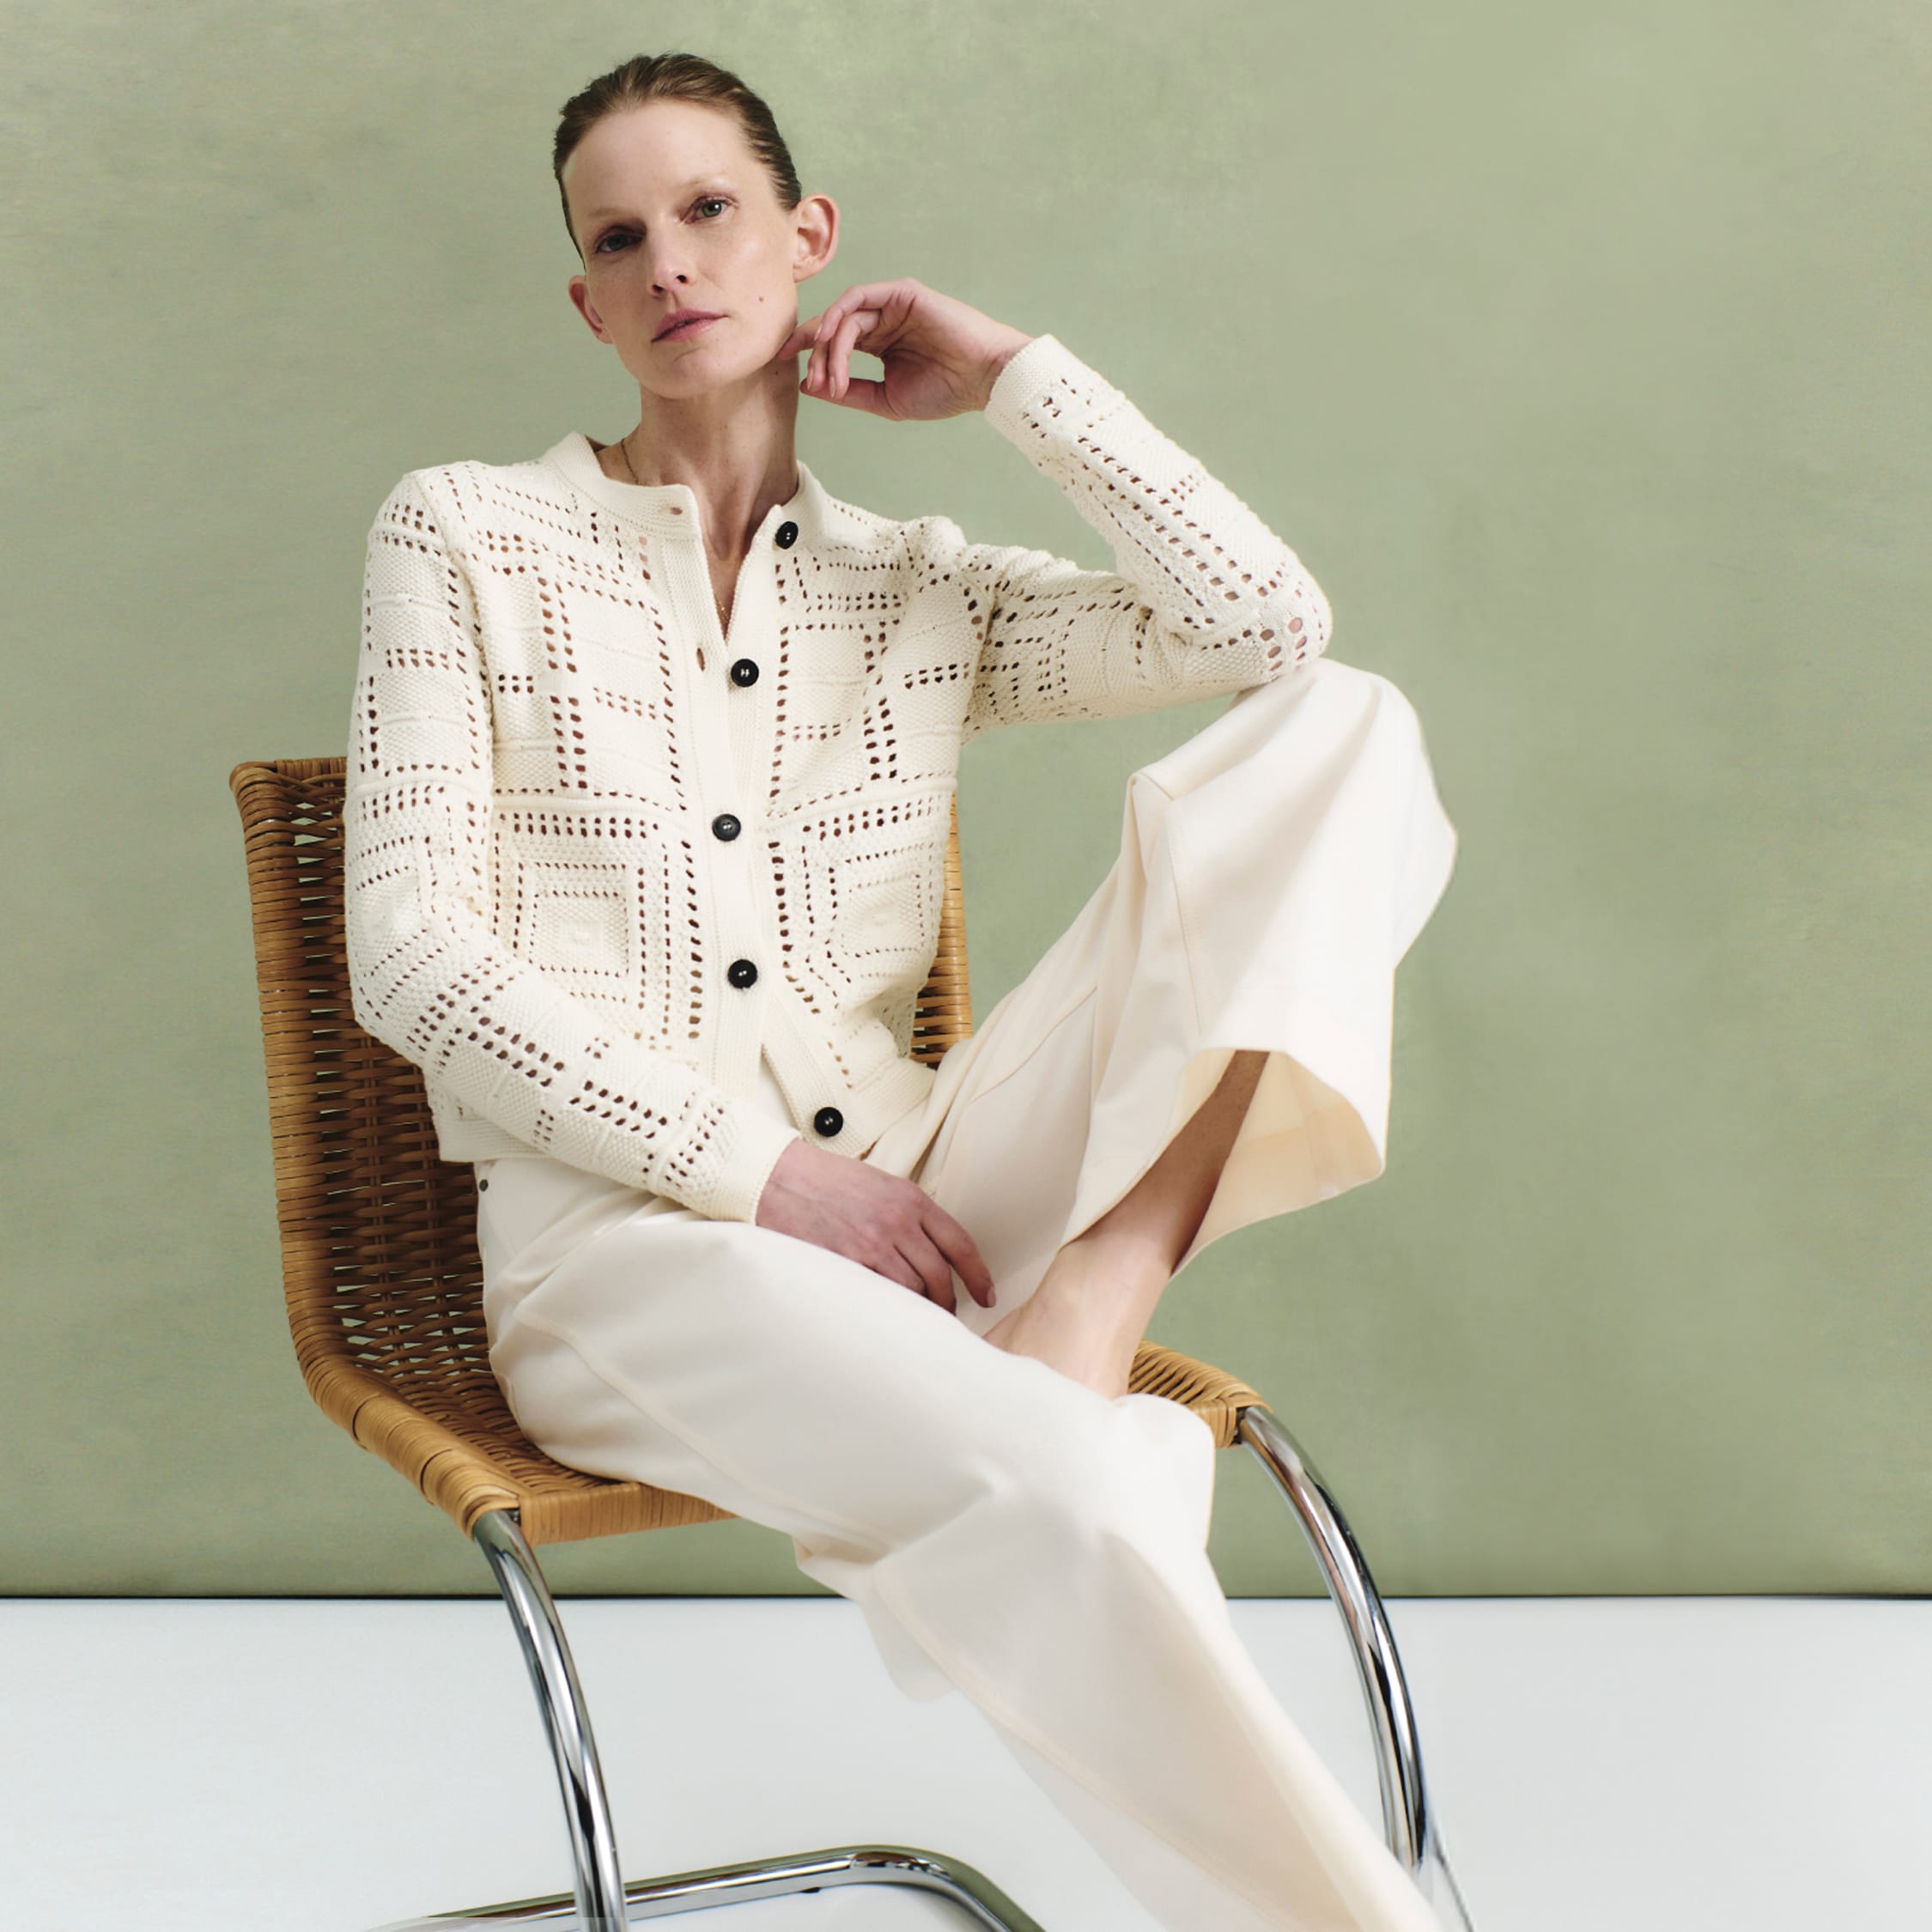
[593, 1842]
[601, 1901]
[603, 1904]
[1408, 1821]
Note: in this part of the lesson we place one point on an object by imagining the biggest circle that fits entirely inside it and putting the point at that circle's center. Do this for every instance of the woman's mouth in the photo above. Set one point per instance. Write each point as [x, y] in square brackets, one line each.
[692, 328]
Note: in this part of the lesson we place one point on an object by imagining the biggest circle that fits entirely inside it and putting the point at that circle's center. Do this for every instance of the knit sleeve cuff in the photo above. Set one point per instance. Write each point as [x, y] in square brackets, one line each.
[1045, 395]
[759, 1141]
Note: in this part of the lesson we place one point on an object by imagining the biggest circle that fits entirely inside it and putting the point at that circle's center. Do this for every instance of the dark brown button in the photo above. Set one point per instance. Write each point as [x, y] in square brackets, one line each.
[742, 972]
[725, 826]
[744, 672]
[785, 535]
[827, 1120]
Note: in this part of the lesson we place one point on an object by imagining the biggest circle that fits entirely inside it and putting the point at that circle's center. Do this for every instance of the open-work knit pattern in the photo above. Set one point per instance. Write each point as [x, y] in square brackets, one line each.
[380, 1269]
[589, 879]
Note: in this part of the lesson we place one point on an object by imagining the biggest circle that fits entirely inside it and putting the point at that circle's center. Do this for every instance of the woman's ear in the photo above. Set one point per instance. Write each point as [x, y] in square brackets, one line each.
[579, 296]
[817, 235]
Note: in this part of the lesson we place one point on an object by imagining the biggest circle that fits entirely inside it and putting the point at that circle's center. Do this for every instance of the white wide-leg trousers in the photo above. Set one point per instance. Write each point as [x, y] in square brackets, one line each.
[1007, 1531]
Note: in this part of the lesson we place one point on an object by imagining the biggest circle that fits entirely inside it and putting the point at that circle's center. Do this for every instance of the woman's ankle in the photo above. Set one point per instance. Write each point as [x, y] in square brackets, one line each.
[1113, 1265]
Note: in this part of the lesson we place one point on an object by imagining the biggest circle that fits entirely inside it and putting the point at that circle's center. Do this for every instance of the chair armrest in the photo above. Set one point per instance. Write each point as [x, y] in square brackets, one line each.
[1212, 1393]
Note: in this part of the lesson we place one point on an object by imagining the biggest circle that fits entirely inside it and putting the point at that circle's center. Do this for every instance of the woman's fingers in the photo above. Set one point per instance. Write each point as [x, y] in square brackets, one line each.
[899, 1266]
[866, 294]
[829, 374]
[805, 335]
[822, 332]
[800, 338]
[820, 366]
[879, 309]
[828, 371]
[962, 1252]
[845, 339]
[934, 1272]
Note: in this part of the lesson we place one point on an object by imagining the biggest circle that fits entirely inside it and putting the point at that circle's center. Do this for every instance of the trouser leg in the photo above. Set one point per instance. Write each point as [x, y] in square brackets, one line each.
[1273, 869]
[1003, 1528]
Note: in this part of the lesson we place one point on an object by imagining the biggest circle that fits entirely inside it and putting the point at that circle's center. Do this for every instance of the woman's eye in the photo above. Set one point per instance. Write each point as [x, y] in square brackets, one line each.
[623, 234]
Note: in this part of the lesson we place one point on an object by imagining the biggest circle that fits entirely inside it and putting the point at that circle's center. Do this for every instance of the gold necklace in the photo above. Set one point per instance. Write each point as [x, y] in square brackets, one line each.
[717, 602]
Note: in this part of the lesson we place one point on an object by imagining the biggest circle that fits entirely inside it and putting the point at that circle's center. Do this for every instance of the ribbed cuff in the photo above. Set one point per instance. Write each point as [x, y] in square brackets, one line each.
[761, 1139]
[1048, 378]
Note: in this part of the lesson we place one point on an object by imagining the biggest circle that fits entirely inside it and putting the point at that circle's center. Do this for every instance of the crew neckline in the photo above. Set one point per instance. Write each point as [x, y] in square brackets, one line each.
[672, 507]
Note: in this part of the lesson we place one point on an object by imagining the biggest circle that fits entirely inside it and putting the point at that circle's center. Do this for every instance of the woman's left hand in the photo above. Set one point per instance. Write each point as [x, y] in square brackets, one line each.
[941, 356]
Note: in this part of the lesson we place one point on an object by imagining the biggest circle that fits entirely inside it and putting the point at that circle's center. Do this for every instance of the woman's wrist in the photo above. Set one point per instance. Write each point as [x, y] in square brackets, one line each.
[1015, 341]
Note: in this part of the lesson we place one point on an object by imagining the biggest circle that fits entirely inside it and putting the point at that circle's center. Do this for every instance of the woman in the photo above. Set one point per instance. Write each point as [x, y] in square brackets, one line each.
[653, 756]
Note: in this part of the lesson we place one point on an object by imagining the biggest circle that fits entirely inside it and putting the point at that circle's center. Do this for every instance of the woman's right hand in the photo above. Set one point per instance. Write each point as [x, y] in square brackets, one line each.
[889, 1226]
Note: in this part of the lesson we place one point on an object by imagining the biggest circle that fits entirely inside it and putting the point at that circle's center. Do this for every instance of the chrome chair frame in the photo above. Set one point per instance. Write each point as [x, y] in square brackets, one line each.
[603, 1902]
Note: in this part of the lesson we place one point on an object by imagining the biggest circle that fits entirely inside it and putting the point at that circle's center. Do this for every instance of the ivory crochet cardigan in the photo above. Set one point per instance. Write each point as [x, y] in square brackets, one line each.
[587, 883]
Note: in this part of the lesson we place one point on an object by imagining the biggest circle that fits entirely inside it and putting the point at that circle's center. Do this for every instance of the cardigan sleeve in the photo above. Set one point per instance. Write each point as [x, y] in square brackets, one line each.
[427, 975]
[1206, 600]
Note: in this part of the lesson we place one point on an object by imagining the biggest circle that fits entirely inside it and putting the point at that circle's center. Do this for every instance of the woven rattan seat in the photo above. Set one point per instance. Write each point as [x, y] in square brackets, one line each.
[384, 1286]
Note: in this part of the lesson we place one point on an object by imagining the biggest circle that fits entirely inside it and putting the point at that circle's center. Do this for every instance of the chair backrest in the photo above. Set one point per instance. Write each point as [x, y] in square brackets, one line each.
[379, 1242]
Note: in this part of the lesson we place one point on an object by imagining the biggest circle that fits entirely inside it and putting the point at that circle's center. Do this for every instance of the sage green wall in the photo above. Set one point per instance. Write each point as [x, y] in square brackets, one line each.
[1581, 352]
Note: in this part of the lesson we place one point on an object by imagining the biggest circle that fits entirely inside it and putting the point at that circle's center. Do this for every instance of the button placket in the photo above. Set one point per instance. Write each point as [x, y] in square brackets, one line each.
[716, 784]
[722, 746]
[828, 1121]
[744, 670]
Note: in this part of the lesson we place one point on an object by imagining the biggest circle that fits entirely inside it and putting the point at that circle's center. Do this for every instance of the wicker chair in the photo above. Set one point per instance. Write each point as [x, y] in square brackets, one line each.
[384, 1286]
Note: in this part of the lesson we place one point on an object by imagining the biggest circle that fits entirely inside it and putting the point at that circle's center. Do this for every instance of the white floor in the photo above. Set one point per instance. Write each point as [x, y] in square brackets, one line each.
[1612, 1765]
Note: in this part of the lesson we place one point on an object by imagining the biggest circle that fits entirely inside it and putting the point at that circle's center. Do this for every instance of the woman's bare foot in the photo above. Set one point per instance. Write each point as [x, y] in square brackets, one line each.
[1089, 1314]
[1092, 1310]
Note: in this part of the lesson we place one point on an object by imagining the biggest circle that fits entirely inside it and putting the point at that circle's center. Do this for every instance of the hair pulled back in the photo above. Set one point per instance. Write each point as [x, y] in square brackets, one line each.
[674, 76]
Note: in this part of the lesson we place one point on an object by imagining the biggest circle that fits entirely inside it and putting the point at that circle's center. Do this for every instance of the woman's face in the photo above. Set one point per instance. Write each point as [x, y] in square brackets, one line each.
[673, 210]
